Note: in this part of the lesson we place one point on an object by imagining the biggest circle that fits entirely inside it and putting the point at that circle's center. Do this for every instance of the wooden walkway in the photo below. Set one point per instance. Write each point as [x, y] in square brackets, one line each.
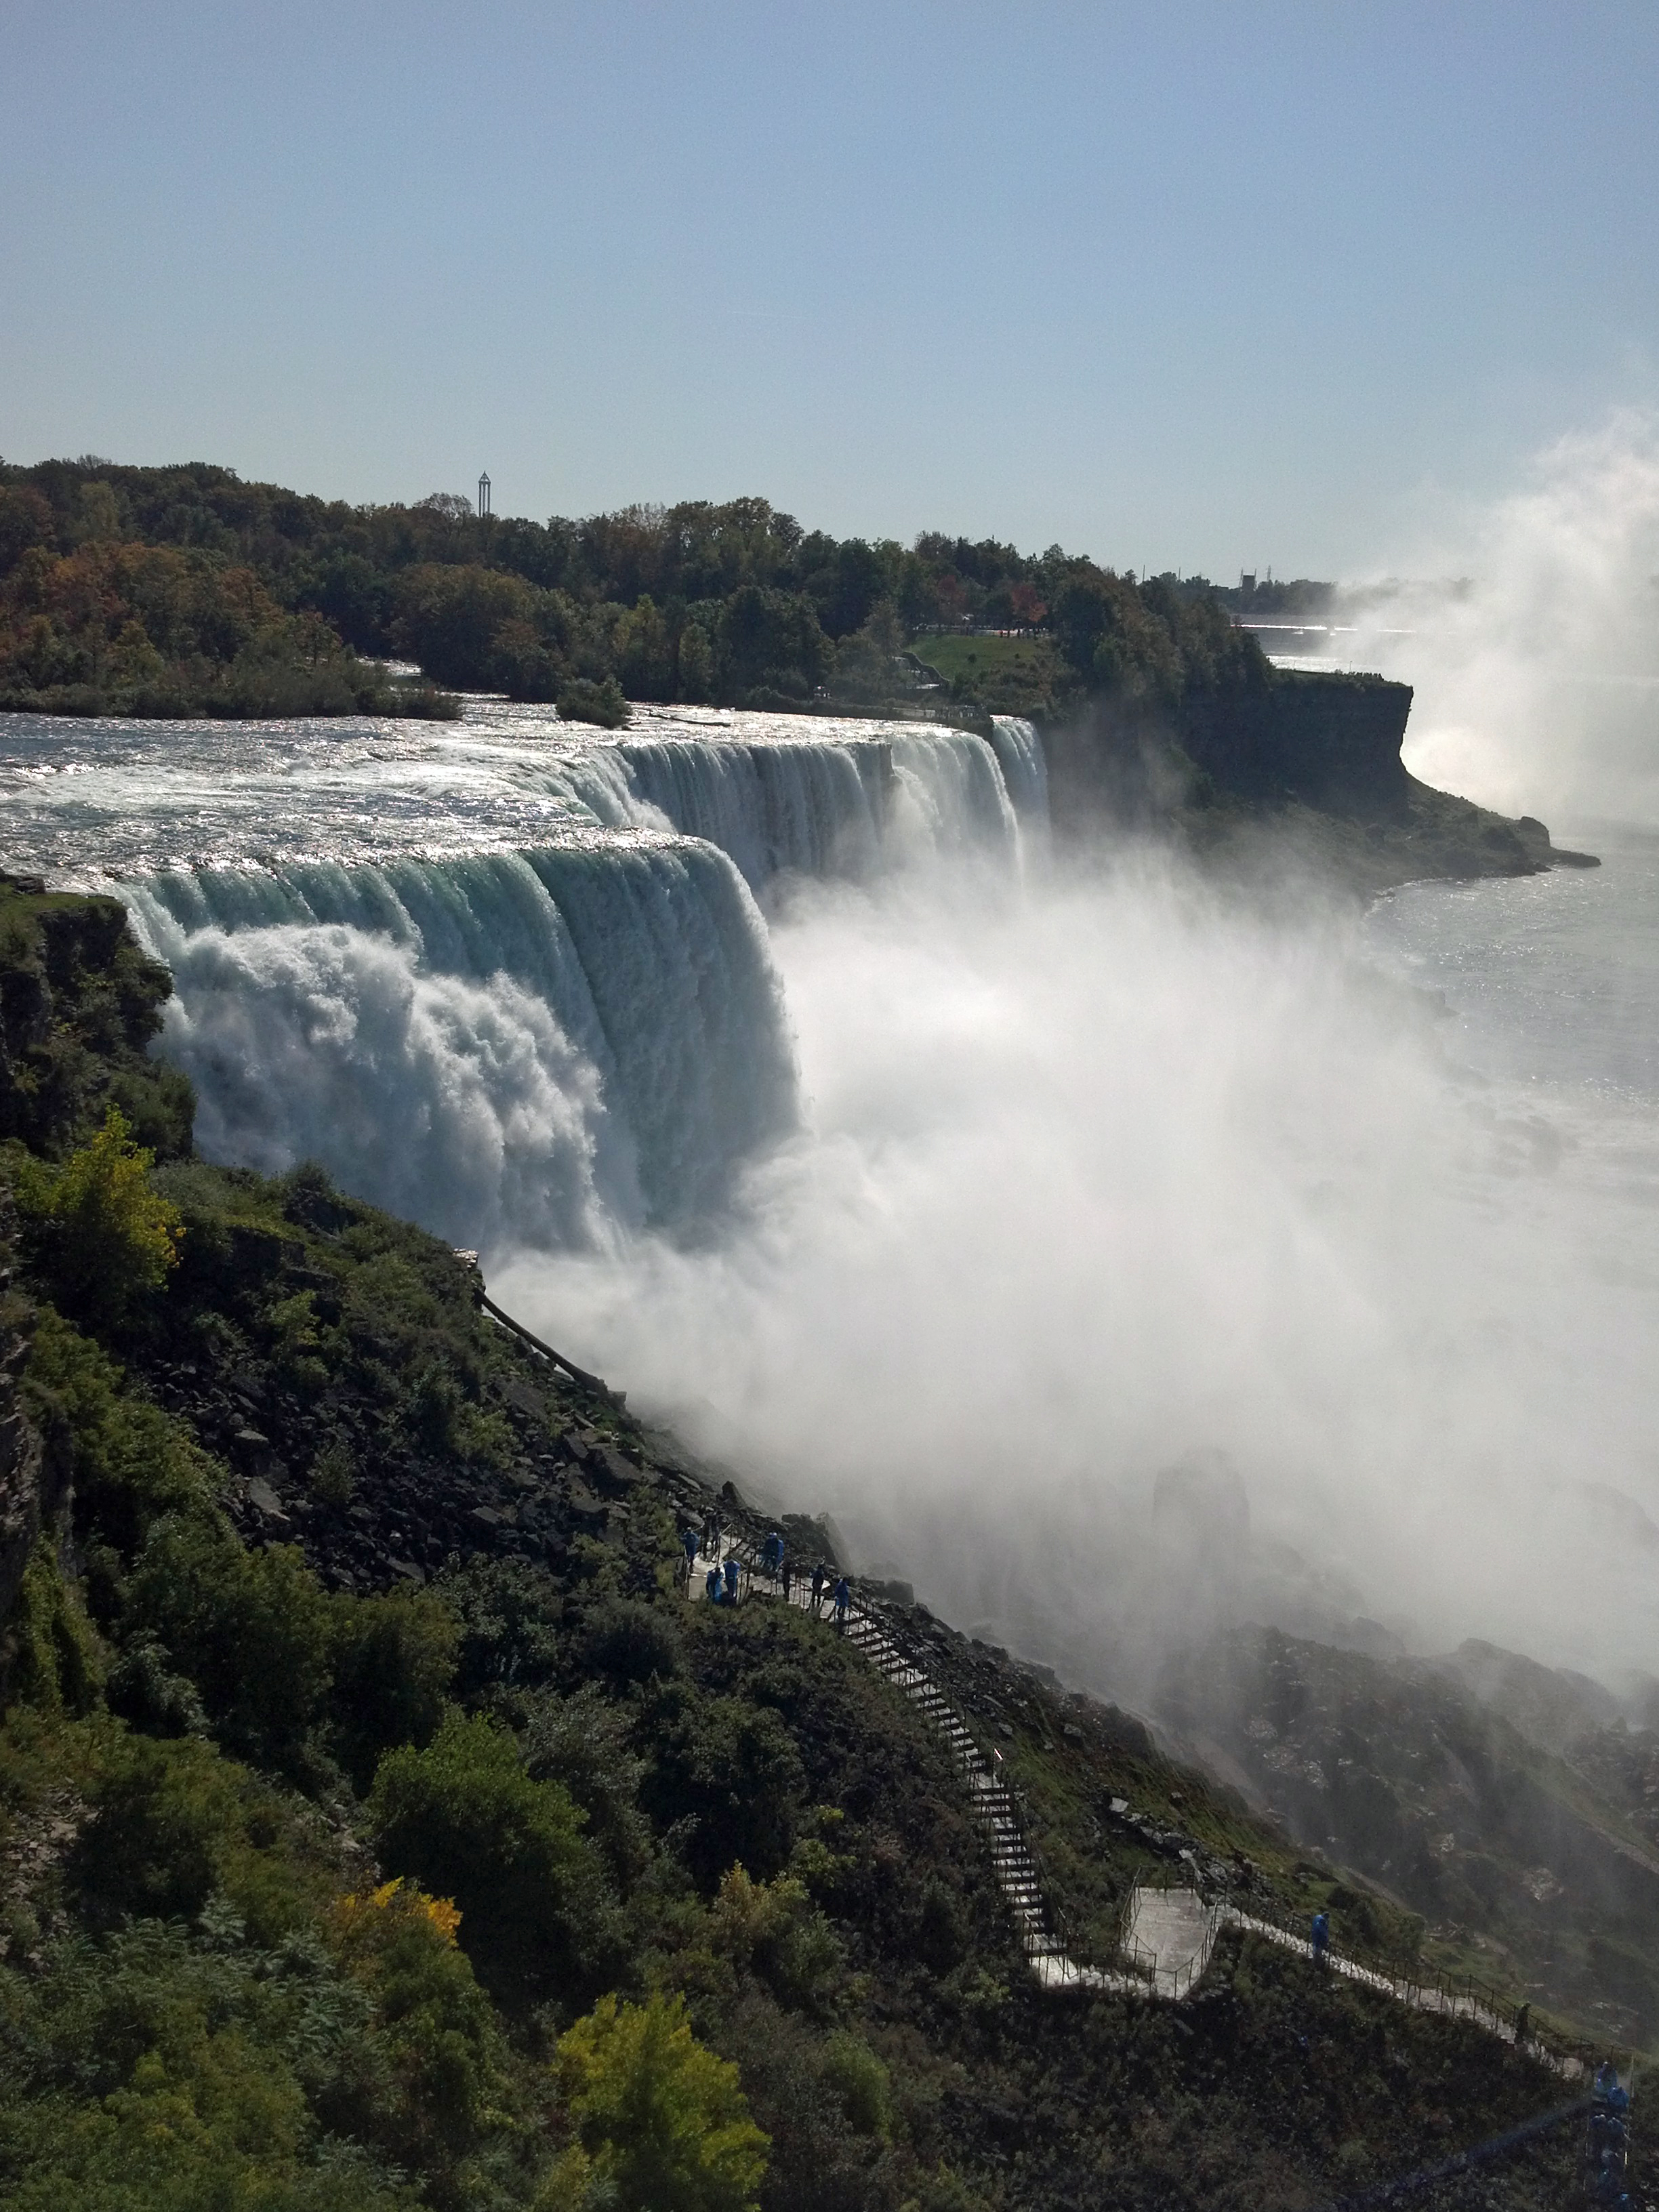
[1167, 1935]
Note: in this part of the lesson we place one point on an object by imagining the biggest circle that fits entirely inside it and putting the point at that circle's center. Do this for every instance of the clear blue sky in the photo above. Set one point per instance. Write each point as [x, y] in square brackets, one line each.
[1201, 286]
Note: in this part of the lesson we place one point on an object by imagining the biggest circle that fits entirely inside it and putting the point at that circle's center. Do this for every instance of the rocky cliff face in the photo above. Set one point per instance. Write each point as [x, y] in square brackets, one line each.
[79, 1005]
[1330, 741]
[1306, 768]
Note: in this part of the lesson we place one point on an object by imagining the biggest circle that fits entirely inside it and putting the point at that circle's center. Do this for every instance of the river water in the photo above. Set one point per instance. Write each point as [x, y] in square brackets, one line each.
[1550, 979]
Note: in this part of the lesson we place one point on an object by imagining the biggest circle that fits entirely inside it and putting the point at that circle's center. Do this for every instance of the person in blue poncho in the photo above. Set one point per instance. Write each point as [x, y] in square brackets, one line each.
[731, 1578]
[1321, 1936]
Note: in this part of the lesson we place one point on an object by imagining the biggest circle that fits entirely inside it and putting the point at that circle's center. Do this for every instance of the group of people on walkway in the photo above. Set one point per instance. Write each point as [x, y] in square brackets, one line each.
[728, 1581]
[1608, 2152]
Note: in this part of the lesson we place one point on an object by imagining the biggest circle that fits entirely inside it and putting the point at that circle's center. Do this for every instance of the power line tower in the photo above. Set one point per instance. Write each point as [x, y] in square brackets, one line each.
[483, 497]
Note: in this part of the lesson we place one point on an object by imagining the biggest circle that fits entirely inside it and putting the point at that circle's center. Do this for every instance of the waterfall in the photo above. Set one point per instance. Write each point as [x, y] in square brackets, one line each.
[529, 1048]
[840, 805]
[511, 981]
[1025, 769]
[814, 809]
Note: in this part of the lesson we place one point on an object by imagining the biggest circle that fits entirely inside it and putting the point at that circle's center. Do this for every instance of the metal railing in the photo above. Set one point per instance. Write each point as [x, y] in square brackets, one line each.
[1045, 1931]
[1427, 1988]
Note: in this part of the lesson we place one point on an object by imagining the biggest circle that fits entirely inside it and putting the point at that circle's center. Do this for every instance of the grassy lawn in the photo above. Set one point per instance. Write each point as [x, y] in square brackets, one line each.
[1028, 661]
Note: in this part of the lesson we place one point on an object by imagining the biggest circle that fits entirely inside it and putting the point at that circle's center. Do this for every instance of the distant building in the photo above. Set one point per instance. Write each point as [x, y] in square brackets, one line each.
[483, 496]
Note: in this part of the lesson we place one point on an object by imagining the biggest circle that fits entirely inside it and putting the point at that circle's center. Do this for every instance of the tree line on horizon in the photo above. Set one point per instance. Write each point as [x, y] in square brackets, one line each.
[183, 589]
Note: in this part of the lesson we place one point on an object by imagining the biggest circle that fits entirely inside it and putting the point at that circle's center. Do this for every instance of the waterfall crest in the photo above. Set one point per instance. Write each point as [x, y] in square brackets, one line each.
[837, 805]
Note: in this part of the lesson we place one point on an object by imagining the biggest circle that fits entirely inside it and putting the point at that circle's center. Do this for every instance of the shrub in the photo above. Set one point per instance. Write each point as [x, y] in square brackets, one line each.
[663, 2121]
[101, 1237]
[174, 1823]
[164, 2071]
[734, 1767]
[442, 2038]
[510, 1614]
[132, 1465]
[49, 1655]
[582, 1740]
[467, 1821]
[818, 2162]
[860, 2080]
[773, 1930]
[393, 1661]
[581, 699]
[625, 1642]
[252, 1629]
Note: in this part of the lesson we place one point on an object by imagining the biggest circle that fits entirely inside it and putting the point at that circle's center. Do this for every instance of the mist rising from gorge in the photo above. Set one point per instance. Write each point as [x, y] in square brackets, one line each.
[1113, 1174]
[1148, 1261]
[1537, 674]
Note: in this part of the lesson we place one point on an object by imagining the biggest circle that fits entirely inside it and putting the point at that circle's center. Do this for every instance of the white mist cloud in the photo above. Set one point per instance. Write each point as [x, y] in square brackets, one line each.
[1538, 683]
[1116, 1172]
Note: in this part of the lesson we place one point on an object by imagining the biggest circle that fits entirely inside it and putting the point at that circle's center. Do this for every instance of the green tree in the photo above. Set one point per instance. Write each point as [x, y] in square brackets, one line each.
[771, 641]
[442, 2033]
[645, 651]
[251, 1630]
[102, 1235]
[663, 2120]
[865, 662]
[25, 520]
[448, 618]
[467, 1820]
[695, 665]
[393, 1660]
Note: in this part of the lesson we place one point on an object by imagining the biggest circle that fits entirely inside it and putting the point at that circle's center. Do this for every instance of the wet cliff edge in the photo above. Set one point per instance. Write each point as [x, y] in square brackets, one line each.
[1303, 771]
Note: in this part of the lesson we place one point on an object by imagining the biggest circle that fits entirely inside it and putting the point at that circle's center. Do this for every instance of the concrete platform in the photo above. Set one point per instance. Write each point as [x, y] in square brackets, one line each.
[1173, 1932]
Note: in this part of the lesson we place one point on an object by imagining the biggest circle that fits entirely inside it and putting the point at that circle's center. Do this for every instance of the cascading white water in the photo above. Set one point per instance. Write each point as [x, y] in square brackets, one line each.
[531, 1046]
[512, 981]
[1024, 770]
[812, 809]
[781, 803]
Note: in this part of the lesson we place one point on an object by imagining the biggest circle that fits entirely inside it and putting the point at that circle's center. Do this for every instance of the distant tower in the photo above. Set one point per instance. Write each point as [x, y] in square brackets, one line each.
[483, 496]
